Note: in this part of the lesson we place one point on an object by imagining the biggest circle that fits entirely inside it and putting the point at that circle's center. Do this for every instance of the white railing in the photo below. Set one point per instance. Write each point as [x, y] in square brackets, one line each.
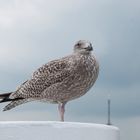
[44, 130]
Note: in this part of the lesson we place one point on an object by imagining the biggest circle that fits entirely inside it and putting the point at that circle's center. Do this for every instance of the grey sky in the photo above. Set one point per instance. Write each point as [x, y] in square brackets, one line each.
[32, 32]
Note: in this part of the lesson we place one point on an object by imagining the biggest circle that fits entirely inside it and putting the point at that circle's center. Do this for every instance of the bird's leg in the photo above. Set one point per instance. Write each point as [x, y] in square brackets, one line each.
[61, 108]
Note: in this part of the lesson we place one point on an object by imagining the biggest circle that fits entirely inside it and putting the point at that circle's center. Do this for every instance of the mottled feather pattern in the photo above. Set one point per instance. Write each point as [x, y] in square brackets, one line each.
[15, 103]
[60, 80]
[62, 76]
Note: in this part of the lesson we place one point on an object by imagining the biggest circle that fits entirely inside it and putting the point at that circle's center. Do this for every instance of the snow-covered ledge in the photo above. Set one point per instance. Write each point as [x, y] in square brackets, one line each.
[44, 130]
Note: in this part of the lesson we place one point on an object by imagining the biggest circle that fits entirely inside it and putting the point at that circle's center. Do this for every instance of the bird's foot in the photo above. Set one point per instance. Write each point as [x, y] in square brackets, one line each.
[61, 108]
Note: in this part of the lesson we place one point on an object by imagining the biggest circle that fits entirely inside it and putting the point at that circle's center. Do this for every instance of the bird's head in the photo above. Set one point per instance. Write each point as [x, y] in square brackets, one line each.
[83, 47]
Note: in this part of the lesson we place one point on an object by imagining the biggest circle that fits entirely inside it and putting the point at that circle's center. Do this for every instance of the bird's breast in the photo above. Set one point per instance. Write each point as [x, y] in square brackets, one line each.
[83, 77]
[83, 74]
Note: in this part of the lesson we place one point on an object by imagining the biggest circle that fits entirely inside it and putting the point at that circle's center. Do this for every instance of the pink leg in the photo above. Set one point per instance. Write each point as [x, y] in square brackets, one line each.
[61, 108]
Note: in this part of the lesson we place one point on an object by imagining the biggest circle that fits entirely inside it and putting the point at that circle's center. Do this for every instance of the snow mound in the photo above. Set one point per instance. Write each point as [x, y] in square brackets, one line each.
[44, 130]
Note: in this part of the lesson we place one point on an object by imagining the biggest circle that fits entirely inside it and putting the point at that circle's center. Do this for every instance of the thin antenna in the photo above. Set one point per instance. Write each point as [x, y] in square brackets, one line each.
[109, 111]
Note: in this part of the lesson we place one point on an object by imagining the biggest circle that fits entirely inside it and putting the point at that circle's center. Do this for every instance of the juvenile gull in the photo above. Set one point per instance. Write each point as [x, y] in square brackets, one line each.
[58, 81]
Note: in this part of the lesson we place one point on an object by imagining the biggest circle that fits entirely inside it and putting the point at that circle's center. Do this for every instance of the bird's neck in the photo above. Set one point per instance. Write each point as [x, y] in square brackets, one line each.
[83, 53]
[83, 56]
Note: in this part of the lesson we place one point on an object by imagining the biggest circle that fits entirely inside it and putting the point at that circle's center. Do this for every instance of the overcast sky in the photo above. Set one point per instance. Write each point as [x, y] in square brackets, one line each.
[33, 32]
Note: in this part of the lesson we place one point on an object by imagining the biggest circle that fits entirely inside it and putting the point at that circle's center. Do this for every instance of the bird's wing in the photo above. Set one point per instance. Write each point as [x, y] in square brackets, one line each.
[49, 74]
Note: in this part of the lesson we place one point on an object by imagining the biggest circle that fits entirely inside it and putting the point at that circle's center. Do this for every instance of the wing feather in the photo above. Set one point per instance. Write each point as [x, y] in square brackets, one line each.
[49, 74]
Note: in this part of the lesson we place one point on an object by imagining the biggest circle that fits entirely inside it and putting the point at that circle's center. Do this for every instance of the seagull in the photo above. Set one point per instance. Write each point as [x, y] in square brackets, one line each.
[58, 81]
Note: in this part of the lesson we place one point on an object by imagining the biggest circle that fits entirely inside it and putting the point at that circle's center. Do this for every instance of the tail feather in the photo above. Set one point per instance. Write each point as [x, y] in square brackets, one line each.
[15, 103]
[5, 97]
[5, 94]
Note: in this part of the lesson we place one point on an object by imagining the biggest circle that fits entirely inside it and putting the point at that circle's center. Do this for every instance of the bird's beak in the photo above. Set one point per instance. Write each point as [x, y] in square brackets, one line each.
[90, 48]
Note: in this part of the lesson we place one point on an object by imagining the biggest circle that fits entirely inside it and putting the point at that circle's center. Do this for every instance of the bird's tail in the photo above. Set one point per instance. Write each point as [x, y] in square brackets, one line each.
[14, 102]
[5, 97]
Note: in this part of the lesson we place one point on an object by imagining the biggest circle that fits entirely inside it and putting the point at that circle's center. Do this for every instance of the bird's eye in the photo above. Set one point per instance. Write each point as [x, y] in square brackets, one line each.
[78, 44]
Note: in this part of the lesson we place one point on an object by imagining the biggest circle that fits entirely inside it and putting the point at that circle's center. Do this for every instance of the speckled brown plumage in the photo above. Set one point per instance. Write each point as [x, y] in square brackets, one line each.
[59, 81]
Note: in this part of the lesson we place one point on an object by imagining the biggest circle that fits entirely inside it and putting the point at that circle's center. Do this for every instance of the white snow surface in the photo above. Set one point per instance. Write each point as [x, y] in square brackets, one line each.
[47, 130]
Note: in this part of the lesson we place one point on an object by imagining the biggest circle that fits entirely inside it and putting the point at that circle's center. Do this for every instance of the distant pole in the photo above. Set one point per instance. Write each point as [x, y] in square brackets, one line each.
[109, 113]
